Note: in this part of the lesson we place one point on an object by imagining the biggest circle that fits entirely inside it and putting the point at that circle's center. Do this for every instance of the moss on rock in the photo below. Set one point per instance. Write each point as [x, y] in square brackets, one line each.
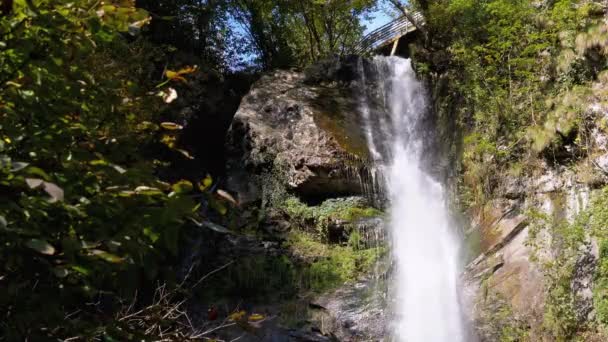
[324, 267]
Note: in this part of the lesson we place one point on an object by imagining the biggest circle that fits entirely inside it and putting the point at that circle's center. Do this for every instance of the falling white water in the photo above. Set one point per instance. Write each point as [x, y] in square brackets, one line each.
[424, 247]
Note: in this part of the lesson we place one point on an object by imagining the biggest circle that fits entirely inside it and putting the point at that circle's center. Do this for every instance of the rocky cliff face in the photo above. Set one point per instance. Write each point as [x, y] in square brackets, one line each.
[302, 128]
[297, 163]
[534, 276]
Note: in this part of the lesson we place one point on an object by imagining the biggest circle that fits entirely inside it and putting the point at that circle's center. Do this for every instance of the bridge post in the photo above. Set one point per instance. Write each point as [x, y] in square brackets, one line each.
[395, 45]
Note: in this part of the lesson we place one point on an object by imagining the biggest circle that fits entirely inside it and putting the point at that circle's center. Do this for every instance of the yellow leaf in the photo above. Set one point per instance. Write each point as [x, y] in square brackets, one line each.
[205, 183]
[256, 317]
[237, 316]
[174, 76]
[182, 187]
[178, 75]
[106, 256]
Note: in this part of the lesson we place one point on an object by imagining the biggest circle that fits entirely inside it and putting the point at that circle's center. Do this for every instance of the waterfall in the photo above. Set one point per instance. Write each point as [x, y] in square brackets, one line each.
[424, 246]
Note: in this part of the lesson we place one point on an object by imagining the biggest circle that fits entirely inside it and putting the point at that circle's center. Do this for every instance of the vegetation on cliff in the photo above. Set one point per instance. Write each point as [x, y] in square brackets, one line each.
[521, 75]
[527, 82]
[99, 192]
[84, 217]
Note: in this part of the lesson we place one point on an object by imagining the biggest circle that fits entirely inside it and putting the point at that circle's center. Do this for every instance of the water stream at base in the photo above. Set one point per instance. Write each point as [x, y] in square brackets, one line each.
[424, 290]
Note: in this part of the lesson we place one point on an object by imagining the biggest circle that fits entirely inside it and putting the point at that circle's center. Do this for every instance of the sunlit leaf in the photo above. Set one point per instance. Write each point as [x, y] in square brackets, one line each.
[80, 269]
[182, 187]
[99, 162]
[35, 171]
[41, 246]
[111, 258]
[223, 194]
[148, 191]
[184, 153]
[237, 316]
[54, 191]
[151, 234]
[33, 182]
[169, 95]
[205, 183]
[256, 317]
[218, 206]
[178, 75]
[172, 126]
[118, 169]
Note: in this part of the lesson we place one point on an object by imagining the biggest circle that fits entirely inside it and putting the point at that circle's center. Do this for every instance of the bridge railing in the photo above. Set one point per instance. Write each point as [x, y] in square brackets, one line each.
[388, 33]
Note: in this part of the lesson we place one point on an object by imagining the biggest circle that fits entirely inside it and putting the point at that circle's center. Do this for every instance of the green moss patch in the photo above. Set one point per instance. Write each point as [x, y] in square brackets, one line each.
[349, 210]
[325, 267]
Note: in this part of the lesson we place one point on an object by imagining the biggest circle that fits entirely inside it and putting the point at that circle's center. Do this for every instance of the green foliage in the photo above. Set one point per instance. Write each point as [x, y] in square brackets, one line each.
[596, 217]
[559, 318]
[82, 212]
[199, 28]
[524, 73]
[320, 217]
[314, 266]
[296, 33]
[600, 286]
[326, 266]
[567, 239]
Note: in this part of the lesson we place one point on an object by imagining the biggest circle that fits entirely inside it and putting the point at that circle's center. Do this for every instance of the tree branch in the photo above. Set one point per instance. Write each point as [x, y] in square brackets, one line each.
[411, 18]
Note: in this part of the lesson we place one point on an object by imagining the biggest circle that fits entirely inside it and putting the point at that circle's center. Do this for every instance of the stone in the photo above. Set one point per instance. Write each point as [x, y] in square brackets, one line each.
[309, 136]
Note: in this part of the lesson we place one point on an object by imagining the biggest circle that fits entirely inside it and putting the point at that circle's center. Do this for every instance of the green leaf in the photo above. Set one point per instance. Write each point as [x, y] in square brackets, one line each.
[147, 191]
[151, 234]
[41, 246]
[18, 166]
[3, 223]
[182, 187]
[205, 183]
[111, 258]
[98, 162]
[80, 269]
[218, 206]
[32, 170]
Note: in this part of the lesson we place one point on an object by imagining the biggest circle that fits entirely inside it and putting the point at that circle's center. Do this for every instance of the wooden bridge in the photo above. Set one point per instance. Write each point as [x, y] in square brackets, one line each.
[390, 33]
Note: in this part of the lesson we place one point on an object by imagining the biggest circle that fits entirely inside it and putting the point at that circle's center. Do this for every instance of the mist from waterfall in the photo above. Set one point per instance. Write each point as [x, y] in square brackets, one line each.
[424, 290]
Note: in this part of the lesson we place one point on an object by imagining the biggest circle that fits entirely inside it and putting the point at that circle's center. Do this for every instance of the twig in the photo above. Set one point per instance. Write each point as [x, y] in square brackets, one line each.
[212, 330]
[238, 338]
[212, 273]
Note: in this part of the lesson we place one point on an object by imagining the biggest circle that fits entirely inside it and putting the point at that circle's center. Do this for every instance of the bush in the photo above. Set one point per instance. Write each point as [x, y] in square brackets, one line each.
[83, 217]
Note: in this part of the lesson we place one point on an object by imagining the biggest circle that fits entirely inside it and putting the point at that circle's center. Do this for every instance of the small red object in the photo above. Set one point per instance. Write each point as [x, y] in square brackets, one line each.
[212, 313]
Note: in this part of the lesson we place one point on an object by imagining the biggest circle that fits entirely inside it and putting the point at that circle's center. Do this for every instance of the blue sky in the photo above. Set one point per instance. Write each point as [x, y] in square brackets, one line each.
[380, 18]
